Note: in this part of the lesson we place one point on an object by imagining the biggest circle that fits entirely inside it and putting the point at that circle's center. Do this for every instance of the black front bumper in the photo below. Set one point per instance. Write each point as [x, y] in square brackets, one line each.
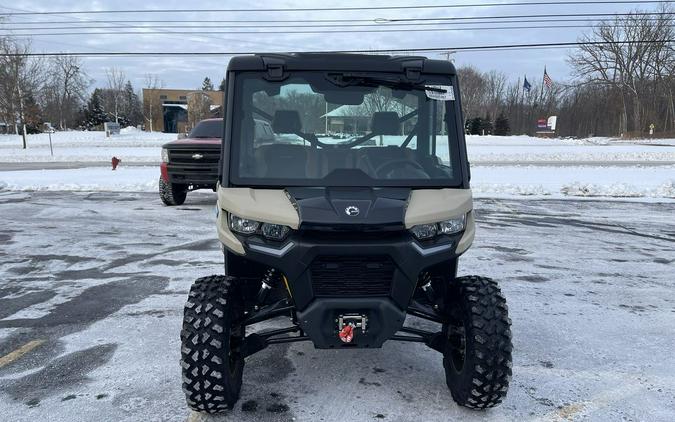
[203, 175]
[305, 259]
[195, 165]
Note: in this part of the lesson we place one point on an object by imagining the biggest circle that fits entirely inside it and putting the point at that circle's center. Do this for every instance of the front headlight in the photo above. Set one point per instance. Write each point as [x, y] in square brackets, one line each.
[268, 230]
[424, 231]
[452, 226]
[275, 231]
[243, 225]
[431, 230]
[165, 155]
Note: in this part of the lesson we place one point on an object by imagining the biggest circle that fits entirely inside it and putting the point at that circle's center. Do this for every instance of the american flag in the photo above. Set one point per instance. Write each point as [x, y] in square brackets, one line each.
[547, 80]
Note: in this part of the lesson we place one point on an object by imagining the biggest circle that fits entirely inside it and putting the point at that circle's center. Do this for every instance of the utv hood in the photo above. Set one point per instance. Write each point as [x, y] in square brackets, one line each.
[331, 208]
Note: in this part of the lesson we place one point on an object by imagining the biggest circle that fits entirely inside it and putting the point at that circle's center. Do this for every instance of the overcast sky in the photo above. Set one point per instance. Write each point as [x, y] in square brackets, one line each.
[188, 72]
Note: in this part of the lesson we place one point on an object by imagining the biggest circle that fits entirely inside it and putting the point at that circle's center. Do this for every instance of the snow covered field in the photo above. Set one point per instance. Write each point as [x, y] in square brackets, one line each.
[92, 287]
[131, 145]
[501, 166]
[646, 183]
[137, 146]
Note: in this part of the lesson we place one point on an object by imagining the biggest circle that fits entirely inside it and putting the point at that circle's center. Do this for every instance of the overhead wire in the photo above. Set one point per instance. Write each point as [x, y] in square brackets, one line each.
[372, 51]
[377, 20]
[276, 32]
[339, 8]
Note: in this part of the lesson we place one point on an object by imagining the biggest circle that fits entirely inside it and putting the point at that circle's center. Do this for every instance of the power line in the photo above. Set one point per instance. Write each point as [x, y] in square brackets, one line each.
[378, 21]
[335, 9]
[348, 31]
[371, 51]
[346, 25]
[200, 38]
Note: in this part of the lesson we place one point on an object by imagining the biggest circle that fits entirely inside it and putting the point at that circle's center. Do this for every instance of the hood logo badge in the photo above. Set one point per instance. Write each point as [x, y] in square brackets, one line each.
[352, 211]
[197, 156]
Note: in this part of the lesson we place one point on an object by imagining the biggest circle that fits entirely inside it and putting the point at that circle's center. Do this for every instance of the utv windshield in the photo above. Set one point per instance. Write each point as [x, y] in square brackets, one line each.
[323, 129]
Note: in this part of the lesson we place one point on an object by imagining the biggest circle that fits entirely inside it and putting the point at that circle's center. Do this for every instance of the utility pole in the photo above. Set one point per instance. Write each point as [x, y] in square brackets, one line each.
[447, 55]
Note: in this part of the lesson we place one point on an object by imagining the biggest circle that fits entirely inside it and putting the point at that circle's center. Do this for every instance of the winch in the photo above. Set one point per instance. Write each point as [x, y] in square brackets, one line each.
[347, 324]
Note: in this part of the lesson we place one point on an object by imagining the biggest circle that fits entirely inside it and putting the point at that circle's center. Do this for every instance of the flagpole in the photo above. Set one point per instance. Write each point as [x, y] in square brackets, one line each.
[543, 83]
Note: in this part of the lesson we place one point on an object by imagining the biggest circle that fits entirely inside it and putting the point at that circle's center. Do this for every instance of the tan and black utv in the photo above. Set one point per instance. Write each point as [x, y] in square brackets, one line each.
[348, 218]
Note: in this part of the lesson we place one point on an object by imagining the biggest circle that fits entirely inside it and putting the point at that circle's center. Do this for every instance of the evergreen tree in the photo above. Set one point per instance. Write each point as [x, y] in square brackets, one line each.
[486, 127]
[132, 110]
[207, 85]
[94, 115]
[476, 126]
[221, 87]
[502, 125]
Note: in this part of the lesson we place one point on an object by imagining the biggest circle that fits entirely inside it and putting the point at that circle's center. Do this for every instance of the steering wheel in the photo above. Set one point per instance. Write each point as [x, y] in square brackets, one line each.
[390, 164]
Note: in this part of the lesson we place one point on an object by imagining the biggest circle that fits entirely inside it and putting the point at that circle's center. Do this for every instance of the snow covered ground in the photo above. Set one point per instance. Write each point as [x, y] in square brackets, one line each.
[131, 145]
[645, 183]
[136, 146]
[92, 287]
[501, 166]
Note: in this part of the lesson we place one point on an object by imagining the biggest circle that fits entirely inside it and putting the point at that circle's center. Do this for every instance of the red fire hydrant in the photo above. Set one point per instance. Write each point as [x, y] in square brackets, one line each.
[115, 162]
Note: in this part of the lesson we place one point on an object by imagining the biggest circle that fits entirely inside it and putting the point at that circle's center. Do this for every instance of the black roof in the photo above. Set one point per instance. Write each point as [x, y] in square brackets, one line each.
[340, 62]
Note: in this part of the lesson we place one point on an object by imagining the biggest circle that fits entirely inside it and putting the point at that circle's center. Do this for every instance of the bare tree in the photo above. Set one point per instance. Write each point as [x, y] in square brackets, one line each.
[473, 91]
[65, 91]
[152, 104]
[115, 93]
[21, 78]
[636, 54]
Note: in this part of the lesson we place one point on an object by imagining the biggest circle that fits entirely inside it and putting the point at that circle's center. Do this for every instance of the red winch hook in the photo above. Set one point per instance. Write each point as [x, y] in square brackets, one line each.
[347, 333]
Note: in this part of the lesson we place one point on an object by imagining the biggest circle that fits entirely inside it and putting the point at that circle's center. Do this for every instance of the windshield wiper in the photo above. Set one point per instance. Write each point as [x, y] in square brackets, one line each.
[350, 79]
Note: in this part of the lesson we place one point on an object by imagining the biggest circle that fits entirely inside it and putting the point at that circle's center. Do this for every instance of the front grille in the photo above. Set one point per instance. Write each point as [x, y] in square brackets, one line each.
[352, 276]
[185, 156]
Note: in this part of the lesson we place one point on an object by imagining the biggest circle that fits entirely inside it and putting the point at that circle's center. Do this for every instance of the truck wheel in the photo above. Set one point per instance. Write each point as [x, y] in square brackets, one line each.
[477, 356]
[170, 193]
[210, 345]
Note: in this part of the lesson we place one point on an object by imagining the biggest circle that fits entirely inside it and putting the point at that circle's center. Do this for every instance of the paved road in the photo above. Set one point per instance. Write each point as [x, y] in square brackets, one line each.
[76, 165]
[92, 287]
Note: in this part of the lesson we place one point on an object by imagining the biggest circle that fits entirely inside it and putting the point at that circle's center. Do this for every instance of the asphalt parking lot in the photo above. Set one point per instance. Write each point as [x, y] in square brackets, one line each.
[92, 287]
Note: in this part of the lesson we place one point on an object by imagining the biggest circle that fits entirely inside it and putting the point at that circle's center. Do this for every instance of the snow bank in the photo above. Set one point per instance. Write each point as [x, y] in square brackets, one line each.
[523, 149]
[487, 181]
[586, 181]
[130, 179]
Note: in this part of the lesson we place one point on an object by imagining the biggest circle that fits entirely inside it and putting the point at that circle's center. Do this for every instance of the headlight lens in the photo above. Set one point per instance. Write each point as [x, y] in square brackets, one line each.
[268, 230]
[275, 231]
[428, 231]
[424, 231]
[452, 226]
[243, 225]
[165, 155]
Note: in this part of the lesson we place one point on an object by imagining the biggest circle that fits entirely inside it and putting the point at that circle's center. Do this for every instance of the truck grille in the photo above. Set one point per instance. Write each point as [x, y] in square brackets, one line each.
[352, 276]
[208, 156]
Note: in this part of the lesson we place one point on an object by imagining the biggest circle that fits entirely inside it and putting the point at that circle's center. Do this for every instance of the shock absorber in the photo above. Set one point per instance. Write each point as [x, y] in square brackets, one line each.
[268, 281]
[425, 285]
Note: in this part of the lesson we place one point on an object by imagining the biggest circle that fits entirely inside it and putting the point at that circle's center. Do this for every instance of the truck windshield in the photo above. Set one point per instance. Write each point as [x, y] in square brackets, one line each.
[322, 129]
[207, 129]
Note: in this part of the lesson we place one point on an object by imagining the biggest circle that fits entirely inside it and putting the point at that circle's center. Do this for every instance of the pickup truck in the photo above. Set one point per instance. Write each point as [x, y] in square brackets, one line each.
[191, 163]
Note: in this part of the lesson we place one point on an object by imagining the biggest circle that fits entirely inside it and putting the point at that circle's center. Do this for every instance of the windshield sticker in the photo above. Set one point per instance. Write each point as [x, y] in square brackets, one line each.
[440, 92]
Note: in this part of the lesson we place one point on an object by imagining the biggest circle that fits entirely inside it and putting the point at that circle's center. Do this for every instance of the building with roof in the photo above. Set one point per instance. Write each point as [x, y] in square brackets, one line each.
[355, 119]
[178, 110]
